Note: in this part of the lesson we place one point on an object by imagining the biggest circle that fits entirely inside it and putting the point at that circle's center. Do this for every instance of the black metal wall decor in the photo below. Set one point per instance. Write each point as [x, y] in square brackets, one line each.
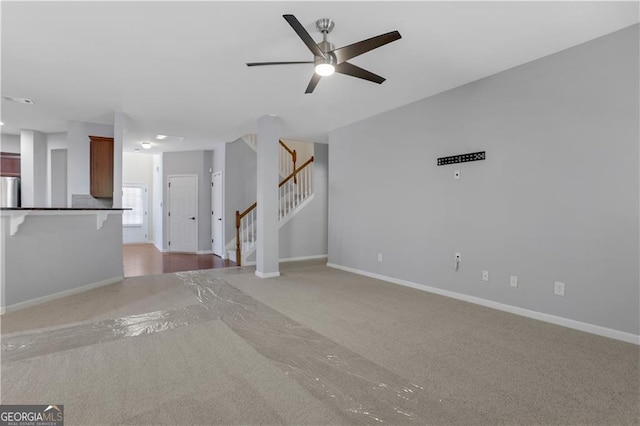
[462, 158]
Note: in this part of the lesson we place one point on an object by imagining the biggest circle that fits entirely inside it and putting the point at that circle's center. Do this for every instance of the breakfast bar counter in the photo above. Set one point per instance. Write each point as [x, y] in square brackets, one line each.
[47, 253]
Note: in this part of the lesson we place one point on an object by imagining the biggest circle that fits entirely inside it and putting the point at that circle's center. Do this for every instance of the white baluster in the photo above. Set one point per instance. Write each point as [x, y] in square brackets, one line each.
[306, 182]
[286, 199]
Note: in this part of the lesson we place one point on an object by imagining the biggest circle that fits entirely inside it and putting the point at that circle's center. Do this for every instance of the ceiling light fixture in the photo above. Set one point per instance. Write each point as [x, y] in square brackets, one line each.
[325, 69]
[146, 145]
[1, 123]
[160, 137]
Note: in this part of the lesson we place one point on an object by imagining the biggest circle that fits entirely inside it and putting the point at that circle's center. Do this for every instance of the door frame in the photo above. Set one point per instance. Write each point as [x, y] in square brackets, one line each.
[169, 209]
[223, 255]
[145, 203]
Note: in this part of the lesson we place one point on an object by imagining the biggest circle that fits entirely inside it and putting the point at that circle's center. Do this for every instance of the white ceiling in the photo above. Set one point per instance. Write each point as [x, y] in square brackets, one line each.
[179, 68]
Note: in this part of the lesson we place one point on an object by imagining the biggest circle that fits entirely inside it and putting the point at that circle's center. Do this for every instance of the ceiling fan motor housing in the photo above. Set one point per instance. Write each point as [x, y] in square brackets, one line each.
[325, 25]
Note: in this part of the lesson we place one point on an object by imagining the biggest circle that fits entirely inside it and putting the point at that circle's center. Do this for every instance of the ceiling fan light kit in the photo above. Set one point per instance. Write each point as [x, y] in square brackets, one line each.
[327, 59]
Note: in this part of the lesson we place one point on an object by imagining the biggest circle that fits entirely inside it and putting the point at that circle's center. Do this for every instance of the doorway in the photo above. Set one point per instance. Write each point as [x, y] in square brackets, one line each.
[217, 243]
[182, 211]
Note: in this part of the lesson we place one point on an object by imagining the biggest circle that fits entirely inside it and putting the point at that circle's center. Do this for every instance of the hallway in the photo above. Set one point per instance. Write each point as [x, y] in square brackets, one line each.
[146, 259]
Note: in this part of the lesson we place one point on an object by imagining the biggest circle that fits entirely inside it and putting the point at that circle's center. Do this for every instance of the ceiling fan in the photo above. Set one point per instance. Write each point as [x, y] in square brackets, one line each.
[327, 58]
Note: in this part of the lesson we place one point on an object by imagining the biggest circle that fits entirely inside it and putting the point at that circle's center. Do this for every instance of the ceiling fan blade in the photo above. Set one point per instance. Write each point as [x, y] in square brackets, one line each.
[313, 83]
[304, 35]
[354, 71]
[351, 51]
[257, 64]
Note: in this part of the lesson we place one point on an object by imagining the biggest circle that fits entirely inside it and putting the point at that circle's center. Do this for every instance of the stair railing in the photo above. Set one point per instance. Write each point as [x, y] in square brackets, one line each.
[288, 159]
[248, 219]
[292, 192]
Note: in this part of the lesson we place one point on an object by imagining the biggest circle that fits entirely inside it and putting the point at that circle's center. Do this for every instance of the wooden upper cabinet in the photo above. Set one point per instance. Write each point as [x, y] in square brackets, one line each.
[101, 167]
[9, 164]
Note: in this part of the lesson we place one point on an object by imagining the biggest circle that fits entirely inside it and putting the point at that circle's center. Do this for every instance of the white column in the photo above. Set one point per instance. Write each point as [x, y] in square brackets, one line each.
[33, 168]
[268, 248]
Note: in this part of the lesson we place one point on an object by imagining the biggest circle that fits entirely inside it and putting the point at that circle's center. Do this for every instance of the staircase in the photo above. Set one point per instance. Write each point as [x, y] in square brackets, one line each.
[295, 192]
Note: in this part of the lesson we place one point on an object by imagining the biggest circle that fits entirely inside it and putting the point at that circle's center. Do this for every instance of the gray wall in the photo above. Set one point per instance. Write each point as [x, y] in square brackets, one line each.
[556, 199]
[240, 183]
[197, 163]
[10, 143]
[58, 185]
[57, 169]
[306, 233]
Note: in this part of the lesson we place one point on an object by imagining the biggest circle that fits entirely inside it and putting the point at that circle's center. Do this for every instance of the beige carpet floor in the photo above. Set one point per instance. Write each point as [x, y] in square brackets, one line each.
[314, 346]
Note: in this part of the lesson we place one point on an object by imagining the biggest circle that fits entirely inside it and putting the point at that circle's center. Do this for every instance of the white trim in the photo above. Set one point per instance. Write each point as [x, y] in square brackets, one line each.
[65, 293]
[553, 319]
[299, 258]
[267, 275]
[17, 217]
[289, 259]
[204, 251]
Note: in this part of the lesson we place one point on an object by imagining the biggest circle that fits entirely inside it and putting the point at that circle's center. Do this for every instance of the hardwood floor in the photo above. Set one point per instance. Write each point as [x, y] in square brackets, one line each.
[145, 259]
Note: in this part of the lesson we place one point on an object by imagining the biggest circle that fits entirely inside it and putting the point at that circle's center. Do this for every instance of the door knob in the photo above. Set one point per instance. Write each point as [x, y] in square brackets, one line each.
[192, 218]
[219, 218]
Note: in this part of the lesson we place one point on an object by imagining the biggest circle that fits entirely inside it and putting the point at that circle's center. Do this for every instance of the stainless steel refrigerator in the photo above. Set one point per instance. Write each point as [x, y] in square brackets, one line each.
[9, 191]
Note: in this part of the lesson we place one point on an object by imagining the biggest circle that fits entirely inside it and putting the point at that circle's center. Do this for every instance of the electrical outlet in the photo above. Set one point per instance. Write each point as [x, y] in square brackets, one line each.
[485, 275]
[456, 174]
[514, 281]
[379, 257]
[558, 288]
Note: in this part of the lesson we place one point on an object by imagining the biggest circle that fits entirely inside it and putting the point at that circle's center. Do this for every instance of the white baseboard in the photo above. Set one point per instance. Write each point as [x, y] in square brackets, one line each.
[204, 252]
[291, 259]
[65, 293]
[267, 275]
[553, 319]
[297, 259]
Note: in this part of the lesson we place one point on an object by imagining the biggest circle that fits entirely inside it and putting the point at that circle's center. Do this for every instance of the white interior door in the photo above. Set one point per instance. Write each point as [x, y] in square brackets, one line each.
[216, 215]
[182, 211]
[134, 221]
